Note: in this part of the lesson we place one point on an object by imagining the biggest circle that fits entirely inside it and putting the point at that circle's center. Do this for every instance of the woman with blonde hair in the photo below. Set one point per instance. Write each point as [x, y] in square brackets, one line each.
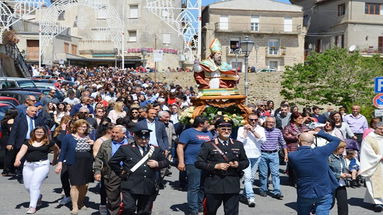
[76, 155]
[36, 165]
[117, 112]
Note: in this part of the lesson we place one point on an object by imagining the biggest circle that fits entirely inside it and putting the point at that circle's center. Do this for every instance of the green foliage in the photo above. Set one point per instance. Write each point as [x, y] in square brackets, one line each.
[334, 77]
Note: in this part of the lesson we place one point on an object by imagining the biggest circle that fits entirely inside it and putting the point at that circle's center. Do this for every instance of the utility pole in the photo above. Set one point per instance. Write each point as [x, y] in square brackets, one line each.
[40, 47]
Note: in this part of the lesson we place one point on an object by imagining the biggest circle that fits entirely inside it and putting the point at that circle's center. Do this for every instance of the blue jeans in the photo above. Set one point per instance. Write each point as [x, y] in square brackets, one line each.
[269, 160]
[195, 191]
[322, 205]
[249, 177]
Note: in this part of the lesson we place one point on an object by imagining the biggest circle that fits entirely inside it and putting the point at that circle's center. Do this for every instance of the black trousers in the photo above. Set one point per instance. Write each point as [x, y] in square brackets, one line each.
[359, 139]
[64, 178]
[340, 195]
[9, 160]
[230, 203]
[134, 202]
[113, 192]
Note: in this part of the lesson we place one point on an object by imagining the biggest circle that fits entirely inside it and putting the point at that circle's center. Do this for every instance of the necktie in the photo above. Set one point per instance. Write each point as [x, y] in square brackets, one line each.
[225, 143]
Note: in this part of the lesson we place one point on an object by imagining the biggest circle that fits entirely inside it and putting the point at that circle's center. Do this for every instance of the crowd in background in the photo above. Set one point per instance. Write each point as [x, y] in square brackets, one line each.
[105, 104]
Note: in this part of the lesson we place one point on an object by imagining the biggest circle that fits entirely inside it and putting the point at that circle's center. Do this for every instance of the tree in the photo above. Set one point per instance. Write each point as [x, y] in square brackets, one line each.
[334, 77]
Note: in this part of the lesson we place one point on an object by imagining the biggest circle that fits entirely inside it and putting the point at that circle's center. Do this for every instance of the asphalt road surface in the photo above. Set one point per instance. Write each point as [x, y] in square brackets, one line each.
[14, 199]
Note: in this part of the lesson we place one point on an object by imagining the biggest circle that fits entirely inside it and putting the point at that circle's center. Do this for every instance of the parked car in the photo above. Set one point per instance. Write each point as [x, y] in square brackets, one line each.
[12, 82]
[19, 94]
[58, 94]
[9, 100]
[4, 108]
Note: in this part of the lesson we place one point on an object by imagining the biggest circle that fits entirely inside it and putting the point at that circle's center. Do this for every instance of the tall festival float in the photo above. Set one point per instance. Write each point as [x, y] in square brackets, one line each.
[218, 95]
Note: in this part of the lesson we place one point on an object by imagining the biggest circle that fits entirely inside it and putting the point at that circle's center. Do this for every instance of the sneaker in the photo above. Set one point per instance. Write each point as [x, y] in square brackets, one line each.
[251, 202]
[31, 210]
[262, 193]
[378, 208]
[65, 201]
[102, 210]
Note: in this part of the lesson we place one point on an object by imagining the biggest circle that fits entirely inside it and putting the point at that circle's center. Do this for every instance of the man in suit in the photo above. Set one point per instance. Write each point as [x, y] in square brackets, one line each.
[101, 168]
[158, 136]
[316, 183]
[20, 132]
[138, 187]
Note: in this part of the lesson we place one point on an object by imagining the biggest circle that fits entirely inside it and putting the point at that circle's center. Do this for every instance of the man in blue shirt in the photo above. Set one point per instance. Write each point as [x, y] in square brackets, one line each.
[316, 182]
[189, 146]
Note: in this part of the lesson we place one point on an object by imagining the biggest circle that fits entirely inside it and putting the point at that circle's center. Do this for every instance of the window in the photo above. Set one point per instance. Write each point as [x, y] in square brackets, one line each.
[273, 64]
[66, 47]
[341, 9]
[234, 46]
[339, 41]
[224, 23]
[372, 8]
[273, 47]
[254, 25]
[61, 15]
[74, 49]
[288, 24]
[132, 36]
[133, 11]
[166, 39]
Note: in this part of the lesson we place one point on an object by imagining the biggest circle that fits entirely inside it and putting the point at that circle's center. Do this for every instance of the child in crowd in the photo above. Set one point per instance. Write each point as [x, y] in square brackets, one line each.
[353, 164]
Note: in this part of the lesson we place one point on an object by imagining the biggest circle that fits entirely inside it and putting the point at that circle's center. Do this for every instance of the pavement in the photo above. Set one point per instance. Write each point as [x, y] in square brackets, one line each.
[14, 199]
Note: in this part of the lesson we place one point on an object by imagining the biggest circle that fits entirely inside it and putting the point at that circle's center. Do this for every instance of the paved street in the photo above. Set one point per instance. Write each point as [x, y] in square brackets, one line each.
[14, 199]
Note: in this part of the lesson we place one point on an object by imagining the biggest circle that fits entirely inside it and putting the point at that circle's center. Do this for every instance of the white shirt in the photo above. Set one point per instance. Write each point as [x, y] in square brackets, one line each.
[73, 101]
[174, 118]
[28, 135]
[251, 144]
[153, 138]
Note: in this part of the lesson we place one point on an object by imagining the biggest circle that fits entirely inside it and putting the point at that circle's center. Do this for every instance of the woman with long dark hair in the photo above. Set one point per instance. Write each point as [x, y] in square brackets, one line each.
[36, 165]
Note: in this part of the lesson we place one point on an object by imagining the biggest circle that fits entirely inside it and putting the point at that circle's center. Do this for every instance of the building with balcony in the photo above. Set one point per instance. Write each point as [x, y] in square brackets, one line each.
[275, 27]
[86, 39]
[343, 23]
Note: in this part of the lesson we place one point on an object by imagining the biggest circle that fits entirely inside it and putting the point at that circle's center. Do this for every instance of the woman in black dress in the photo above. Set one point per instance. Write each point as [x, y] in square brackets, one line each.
[76, 154]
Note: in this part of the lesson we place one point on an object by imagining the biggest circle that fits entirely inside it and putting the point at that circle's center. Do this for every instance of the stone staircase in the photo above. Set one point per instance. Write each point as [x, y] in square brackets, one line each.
[12, 63]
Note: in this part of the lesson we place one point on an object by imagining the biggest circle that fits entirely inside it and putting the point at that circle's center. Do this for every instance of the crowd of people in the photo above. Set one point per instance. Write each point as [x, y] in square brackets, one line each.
[124, 131]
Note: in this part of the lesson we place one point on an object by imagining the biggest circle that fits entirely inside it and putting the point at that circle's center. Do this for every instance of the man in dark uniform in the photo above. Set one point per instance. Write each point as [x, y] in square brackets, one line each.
[223, 160]
[138, 185]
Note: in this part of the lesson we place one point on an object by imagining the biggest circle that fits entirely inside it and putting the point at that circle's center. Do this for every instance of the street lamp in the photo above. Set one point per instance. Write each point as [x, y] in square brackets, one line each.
[246, 47]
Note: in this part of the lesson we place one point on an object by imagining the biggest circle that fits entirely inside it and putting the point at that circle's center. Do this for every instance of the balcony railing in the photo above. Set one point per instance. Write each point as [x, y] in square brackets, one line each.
[261, 28]
[276, 52]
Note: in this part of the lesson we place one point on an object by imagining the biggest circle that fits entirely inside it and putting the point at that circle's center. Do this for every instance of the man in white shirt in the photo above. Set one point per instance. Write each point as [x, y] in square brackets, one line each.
[252, 135]
[71, 99]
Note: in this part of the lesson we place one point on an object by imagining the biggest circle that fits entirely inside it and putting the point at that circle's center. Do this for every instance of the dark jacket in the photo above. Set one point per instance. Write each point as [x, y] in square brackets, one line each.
[20, 129]
[219, 181]
[68, 150]
[77, 107]
[162, 137]
[315, 178]
[143, 180]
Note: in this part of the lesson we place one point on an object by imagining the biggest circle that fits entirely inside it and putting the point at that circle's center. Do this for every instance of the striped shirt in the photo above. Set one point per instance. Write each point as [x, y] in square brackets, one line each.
[274, 139]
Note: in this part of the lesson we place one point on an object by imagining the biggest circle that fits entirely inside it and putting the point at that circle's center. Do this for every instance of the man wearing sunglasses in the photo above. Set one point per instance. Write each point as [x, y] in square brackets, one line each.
[252, 135]
[223, 160]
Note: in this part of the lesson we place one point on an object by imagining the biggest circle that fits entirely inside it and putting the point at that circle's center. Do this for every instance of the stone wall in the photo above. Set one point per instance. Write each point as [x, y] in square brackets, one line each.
[262, 86]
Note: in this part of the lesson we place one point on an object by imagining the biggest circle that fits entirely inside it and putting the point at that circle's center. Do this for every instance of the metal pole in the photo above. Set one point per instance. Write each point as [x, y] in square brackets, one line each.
[155, 63]
[199, 28]
[246, 78]
[40, 47]
[123, 38]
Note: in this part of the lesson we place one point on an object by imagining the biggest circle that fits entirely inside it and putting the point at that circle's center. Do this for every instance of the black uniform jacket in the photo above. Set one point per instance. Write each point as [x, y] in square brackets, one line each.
[219, 181]
[143, 180]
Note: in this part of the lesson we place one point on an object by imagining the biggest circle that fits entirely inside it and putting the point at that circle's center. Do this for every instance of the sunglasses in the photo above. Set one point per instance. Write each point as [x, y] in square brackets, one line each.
[226, 129]
[253, 120]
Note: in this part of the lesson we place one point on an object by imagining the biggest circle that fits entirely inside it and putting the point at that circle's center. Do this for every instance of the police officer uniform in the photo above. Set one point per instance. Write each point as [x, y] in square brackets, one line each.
[139, 187]
[222, 185]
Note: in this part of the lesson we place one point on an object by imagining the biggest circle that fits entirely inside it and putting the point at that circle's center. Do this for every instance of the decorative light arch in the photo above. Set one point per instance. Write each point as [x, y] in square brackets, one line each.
[185, 19]
[49, 26]
[20, 10]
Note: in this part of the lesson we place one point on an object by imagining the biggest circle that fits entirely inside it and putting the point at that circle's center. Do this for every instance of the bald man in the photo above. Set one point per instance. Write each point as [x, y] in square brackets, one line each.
[315, 181]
